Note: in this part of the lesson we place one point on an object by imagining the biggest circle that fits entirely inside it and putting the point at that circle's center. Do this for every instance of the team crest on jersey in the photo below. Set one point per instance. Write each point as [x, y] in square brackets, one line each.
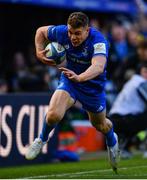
[99, 48]
[85, 51]
[66, 46]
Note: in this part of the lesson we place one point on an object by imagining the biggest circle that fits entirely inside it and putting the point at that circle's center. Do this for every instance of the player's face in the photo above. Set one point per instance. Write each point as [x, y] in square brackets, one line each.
[78, 35]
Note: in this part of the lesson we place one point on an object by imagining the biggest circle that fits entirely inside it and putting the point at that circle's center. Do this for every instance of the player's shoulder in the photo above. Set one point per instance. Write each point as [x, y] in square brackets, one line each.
[59, 32]
[61, 27]
[96, 35]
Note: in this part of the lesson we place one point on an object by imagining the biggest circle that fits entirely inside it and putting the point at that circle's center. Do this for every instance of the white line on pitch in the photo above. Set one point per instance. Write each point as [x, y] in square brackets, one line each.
[85, 172]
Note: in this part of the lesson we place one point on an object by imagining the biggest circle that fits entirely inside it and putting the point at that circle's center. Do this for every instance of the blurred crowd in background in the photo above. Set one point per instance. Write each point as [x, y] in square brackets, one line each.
[20, 71]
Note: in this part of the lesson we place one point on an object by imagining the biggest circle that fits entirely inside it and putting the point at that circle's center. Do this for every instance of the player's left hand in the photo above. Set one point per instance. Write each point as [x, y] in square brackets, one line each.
[70, 74]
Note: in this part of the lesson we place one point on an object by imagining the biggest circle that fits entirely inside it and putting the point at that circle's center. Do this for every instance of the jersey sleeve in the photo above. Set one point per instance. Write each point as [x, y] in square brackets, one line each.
[56, 33]
[100, 45]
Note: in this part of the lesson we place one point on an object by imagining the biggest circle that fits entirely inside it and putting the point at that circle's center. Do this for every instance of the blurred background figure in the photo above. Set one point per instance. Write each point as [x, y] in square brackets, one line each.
[3, 86]
[17, 70]
[118, 46]
[129, 111]
[142, 17]
[94, 23]
[129, 66]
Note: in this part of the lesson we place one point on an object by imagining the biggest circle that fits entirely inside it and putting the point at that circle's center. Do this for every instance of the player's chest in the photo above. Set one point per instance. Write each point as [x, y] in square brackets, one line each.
[84, 52]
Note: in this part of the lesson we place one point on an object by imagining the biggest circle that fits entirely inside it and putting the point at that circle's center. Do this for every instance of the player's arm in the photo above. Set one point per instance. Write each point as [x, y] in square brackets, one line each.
[96, 68]
[41, 40]
[98, 61]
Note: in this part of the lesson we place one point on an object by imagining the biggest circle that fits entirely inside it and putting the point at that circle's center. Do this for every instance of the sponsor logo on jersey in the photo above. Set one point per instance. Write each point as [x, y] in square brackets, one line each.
[99, 48]
[85, 51]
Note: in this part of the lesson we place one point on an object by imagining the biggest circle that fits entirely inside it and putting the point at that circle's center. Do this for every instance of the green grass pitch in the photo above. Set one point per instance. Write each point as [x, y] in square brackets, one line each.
[135, 168]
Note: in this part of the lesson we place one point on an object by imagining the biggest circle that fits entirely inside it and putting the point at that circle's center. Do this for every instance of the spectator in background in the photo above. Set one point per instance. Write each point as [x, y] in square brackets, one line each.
[3, 86]
[118, 48]
[133, 38]
[44, 78]
[131, 63]
[142, 17]
[34, 78]
[18, 70]
[129, 111]
[94, 23]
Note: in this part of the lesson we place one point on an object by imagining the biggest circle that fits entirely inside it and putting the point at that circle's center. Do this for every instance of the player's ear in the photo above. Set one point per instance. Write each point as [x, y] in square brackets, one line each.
[87, 29]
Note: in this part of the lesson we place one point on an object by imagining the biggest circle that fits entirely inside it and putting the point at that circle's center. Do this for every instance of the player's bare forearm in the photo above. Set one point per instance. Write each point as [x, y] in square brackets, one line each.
[41, 40]
[90, 73]
[94, 70]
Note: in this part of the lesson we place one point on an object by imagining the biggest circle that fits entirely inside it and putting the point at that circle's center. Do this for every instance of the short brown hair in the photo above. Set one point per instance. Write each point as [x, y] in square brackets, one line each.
[78, 19]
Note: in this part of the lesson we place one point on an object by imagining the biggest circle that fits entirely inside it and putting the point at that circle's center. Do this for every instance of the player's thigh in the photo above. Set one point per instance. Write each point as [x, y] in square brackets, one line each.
[60, 102]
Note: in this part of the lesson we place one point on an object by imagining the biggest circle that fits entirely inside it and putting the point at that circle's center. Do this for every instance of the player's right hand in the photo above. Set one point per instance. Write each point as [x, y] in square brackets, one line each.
[41, 55]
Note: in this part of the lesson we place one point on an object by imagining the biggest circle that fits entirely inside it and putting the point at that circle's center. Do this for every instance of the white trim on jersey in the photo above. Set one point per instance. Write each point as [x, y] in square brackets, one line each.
[99, 48]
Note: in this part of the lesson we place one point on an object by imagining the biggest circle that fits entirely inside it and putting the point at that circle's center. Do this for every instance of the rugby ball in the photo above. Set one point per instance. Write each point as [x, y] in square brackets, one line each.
[56, 52]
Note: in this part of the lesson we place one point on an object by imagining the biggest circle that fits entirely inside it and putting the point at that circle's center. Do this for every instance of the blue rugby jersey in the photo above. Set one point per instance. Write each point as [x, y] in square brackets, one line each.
[79, 58]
